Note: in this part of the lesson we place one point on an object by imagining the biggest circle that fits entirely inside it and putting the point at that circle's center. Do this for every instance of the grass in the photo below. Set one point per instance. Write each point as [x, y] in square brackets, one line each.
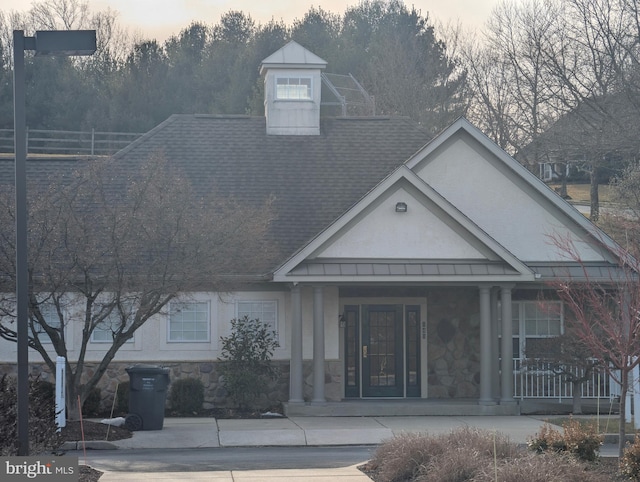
[580, 193]
[605, 423]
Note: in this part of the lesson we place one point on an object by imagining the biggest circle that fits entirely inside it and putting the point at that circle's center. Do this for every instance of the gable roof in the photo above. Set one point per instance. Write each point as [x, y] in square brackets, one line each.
[532, 184]
[489, 260]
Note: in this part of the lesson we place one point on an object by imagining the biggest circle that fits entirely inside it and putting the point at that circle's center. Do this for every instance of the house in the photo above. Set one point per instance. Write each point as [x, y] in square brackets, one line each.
[594, 132]
[408, 264]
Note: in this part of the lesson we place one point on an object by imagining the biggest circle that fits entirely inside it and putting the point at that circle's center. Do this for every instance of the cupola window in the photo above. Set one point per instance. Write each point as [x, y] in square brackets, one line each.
[293, 88]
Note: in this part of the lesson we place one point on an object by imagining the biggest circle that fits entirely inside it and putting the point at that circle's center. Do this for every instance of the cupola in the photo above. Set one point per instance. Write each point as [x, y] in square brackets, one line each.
[292, 85]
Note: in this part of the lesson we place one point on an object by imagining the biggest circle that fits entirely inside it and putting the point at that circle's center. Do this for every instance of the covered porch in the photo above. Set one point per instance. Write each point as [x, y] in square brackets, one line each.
[403, 350]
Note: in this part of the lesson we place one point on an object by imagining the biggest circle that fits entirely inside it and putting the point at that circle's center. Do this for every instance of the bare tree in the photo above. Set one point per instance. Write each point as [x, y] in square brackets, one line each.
[621, 222]
[109, 252]
[603, 314]
[587, 59]
[557, 81]
[491, 108]
[568, 358]
[508, 74]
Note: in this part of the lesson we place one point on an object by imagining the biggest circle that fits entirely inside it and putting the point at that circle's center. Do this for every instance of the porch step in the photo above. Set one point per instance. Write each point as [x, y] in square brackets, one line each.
[391, 408]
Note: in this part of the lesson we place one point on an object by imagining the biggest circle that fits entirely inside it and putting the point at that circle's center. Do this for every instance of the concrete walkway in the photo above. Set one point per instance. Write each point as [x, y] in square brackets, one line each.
[299, 431]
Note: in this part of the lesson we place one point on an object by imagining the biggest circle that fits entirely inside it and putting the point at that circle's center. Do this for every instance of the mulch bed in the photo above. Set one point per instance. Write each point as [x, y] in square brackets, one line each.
[91, 431]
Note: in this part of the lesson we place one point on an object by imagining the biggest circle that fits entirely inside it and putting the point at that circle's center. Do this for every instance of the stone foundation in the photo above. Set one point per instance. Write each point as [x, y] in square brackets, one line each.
[215, 396]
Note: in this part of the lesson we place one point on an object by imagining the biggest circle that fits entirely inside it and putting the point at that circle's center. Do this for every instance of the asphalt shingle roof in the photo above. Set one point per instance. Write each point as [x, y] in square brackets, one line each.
[314, 179]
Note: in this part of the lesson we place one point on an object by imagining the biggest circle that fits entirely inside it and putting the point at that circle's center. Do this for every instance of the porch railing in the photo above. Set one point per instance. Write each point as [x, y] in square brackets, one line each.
[537, 379]
[90, 143]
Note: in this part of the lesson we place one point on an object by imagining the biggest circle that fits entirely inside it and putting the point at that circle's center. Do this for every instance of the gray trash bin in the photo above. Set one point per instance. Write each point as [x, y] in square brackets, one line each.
[147, 396]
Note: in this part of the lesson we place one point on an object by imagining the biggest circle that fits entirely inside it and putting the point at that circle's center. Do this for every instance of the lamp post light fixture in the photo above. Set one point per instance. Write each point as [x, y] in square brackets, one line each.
[54, 42]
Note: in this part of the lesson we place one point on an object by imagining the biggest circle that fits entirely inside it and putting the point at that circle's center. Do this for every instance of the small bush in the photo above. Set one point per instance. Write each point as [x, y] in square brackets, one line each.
[45, 391]
[547, 439]
[91, 405]
[187, 396]
[42, 428]
[579, 440]
[246, 360]
[630, 463]
[582, 441]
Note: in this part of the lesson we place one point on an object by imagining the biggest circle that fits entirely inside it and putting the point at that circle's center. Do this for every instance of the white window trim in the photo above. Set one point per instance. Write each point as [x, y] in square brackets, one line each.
[40, 330]
[208, 311]
[102, 342]
[293, 99]
[276, 314]
[522, 334]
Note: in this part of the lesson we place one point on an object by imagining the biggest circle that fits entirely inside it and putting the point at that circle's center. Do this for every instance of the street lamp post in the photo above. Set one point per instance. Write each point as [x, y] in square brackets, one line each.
[55, 42]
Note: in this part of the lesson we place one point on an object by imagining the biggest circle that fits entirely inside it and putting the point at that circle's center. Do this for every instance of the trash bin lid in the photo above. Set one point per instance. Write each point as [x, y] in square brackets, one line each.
[147, 368]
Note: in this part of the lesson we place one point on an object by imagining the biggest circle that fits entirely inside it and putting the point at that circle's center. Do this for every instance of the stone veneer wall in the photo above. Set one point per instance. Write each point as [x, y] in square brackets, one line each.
[453, 334]
[215, 394]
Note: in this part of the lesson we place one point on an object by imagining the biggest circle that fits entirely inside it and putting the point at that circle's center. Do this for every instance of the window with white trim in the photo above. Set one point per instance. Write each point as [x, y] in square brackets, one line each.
[189, 322]
[293, 88]
[103, 332]
[534, 321]
[51, 318]
[265, 311]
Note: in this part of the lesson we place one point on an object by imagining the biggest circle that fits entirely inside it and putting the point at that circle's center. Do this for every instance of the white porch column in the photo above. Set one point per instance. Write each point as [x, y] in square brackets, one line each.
[506, 396]
[318, 345]
[486, 376]
[495, 359]
[295, 368]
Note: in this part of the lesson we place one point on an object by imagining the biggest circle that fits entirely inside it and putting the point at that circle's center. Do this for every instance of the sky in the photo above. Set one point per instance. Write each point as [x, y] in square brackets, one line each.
[159, 19]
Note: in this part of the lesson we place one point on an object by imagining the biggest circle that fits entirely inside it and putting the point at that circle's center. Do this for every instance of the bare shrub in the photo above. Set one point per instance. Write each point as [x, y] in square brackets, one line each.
[474, 455]
[577, 439]
[540, 468]
[401, 457]
[451, 457]
[630, 463]
[456, 465]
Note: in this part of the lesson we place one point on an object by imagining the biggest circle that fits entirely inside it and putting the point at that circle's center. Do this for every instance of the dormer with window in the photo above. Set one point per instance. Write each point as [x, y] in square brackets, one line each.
[292, 91]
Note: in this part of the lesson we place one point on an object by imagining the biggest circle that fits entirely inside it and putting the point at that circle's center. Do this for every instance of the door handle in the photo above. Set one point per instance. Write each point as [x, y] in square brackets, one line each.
[364, 351]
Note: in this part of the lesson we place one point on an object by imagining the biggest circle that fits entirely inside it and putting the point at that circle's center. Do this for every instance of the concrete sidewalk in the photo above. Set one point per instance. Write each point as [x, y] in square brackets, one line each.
[301, 431]
[311, 431]
[346, 474]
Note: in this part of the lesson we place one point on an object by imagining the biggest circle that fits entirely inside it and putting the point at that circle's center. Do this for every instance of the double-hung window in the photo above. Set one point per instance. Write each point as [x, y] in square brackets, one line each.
[51, 318]
[103, 332]
[189, 322]
[533, 322]
[293, 88]
[265, 311]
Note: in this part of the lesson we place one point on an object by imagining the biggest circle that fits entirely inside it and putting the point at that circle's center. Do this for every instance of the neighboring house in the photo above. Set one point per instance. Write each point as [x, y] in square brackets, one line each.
[554, 171]
[595, 132]
[408, 264]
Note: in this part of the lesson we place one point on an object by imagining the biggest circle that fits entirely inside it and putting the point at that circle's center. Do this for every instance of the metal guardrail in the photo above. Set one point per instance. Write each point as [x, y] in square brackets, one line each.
[58, 142]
